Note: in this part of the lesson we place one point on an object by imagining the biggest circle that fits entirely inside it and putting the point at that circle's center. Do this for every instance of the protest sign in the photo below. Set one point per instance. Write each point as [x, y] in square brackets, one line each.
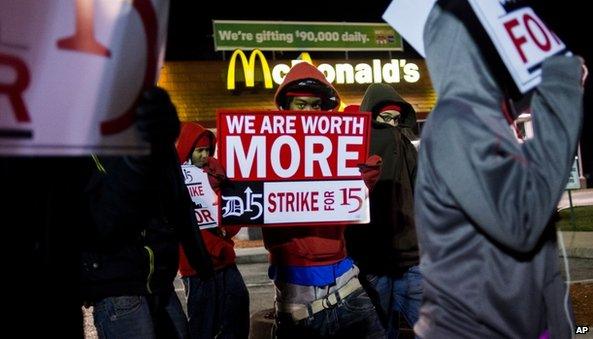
[520, 37]
[293, 168]
[71, 72]
[205, 201]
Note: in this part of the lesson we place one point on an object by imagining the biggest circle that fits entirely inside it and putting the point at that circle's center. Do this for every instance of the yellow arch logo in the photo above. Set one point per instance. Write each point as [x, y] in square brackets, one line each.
[248, 69]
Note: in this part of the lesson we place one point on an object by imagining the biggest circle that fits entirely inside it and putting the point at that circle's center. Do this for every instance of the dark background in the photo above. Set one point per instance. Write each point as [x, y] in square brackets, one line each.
[190, 33]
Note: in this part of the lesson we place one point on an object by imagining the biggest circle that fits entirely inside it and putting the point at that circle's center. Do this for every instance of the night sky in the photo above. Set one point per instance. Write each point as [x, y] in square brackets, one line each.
[190, 32]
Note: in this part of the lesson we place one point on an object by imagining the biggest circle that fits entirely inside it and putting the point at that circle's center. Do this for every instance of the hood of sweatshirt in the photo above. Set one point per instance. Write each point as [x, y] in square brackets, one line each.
[190, 133]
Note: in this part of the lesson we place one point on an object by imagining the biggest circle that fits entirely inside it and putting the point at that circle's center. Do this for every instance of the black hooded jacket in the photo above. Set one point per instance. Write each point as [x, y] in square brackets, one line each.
[140, 212]
[388, 245]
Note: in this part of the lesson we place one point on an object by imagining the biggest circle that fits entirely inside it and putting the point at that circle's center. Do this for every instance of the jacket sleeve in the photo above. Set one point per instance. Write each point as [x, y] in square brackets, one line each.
[117, 195]
[510, 190]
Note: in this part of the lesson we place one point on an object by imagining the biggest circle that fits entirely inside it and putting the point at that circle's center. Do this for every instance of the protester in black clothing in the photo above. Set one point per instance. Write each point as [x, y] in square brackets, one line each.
[386, 250]
[140, 211]
[72, 215]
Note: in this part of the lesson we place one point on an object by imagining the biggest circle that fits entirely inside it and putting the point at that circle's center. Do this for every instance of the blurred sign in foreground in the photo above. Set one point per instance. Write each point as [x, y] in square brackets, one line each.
[71, 72]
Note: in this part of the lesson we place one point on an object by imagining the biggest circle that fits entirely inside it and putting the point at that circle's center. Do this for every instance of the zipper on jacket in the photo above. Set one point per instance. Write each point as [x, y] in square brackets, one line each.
[98, 164]
[150, 268]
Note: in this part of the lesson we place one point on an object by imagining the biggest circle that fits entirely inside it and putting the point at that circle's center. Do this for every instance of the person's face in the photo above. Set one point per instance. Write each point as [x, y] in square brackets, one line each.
[305, 104]
[390, 117]
[199, 156]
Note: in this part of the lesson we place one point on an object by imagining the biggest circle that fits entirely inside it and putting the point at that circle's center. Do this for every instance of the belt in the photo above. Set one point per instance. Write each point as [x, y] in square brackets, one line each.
[303, 311]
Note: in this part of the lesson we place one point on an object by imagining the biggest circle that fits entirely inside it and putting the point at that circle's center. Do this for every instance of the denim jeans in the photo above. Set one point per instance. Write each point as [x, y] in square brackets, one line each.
[218, 307]
[153, 316]
[123, 317]
[167, 316]
[354, 317]
[393, 296]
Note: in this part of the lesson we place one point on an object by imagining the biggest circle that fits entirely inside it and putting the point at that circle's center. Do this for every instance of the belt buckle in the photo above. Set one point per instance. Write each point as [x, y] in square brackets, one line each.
[327, 303]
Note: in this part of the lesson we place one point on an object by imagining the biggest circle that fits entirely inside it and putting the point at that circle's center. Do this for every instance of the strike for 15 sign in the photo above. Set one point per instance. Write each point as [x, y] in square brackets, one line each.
[293, 168]
[204, 200]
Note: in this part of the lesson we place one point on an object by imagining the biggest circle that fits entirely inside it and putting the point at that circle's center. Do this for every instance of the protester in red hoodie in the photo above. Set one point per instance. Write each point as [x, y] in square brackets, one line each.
[218, 306]
[318, 294]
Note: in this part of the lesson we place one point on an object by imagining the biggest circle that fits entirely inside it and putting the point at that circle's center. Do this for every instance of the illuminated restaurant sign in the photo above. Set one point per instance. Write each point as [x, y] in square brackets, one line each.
[375, 71]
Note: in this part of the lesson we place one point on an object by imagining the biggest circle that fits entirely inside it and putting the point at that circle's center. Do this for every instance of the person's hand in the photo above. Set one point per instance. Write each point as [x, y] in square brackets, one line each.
[371, 171]
[213, 167]
[215, 170]
[156, 117]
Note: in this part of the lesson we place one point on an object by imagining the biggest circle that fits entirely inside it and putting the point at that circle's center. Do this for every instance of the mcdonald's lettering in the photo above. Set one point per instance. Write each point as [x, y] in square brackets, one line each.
[393, 71]
[248, 69]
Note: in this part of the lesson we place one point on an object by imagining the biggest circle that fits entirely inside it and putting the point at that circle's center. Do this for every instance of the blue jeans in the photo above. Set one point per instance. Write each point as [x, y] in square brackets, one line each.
[218, 307]
[153, 316]
[393, 296]
[354, 317]
[167, 316]
[123, 317]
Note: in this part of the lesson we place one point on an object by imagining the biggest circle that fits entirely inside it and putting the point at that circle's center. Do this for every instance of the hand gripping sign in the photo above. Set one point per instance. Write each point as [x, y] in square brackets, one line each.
[72, 70]
[520, 37]
[293, 168]
[204, 199]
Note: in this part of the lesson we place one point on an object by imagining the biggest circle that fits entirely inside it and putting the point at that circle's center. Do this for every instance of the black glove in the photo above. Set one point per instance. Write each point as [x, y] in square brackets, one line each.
[156, 117]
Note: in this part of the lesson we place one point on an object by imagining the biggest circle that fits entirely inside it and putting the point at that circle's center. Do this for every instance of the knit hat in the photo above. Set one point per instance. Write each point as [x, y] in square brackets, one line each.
[389, 107]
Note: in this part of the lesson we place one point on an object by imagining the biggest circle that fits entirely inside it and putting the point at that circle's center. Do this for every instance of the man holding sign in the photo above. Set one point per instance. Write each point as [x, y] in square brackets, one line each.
[216, 306]
[483, 200]
[317, 290]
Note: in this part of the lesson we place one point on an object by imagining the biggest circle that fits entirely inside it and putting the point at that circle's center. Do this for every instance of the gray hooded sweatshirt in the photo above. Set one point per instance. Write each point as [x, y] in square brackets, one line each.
[483, 200]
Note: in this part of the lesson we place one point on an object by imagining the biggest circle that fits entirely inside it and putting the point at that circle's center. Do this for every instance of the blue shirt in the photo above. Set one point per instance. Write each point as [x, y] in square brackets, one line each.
[310, 275]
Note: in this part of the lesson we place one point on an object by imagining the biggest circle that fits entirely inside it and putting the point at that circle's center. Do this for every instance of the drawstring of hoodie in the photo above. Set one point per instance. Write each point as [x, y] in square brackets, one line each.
[508, 111]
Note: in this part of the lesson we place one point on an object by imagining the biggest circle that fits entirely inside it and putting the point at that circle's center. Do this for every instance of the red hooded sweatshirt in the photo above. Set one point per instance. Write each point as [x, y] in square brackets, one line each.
[219, 246]
[305, 246]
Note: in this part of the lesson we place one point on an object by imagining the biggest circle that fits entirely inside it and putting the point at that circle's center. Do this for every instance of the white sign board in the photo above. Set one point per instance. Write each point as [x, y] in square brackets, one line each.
[408, 18]
[521, 38]
[71, 72]
[204, 198]
[293, 168]
[573, 180]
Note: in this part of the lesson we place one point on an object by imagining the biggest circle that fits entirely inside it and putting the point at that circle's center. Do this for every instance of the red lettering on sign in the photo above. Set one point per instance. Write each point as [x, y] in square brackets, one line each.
[83, 40]
[195, 190]
[150, 24]
[204, 216]
[546, 45]
[517, 41]
[15, 90]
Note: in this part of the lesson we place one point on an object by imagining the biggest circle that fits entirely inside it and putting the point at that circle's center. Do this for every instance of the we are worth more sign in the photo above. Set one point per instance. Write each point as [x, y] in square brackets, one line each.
[293, 168]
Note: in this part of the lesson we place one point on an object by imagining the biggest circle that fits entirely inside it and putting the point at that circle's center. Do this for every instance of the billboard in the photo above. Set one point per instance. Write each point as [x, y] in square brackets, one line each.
[291, 168]
[311, 36]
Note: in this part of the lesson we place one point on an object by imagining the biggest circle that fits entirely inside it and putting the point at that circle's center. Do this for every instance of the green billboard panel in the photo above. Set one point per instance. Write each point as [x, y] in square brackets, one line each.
[309, 36]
